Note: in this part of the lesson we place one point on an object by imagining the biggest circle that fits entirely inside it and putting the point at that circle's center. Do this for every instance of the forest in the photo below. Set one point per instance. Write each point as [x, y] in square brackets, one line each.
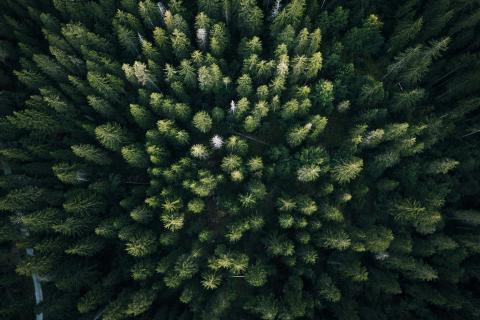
[239, 159]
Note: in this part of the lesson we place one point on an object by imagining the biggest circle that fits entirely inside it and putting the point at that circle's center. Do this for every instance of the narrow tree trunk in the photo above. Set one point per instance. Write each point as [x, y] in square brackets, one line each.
[36, 279]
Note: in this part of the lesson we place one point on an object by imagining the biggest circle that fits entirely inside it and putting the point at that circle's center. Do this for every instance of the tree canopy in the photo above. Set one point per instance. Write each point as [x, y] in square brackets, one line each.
[239, 159]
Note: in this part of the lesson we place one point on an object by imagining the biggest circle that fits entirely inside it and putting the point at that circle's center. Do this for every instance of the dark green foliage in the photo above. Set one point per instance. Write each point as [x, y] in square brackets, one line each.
[240, 159]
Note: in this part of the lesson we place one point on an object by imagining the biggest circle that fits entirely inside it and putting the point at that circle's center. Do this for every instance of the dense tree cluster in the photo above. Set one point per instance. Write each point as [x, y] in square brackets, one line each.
[240, 159]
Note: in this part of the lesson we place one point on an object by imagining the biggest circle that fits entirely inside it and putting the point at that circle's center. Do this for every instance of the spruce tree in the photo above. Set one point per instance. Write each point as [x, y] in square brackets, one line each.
[239, 159]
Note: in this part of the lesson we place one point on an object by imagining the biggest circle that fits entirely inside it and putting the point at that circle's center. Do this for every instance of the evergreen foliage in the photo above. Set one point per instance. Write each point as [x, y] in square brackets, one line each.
[240, 159]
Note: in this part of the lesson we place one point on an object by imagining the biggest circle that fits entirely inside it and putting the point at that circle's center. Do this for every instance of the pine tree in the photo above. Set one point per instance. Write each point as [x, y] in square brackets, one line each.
[199, 151]
[91, 153]
[249, 17]
[202, 121]
[244, 86]
[142, 116]
[346, 170]
[367, 38]
[180, 44]
[112, 136]
[256, 275]
[308, 173]
[135, 155]
[218, 40]
[140, 245]
[101, 106]
[215, 159]
[298, 134]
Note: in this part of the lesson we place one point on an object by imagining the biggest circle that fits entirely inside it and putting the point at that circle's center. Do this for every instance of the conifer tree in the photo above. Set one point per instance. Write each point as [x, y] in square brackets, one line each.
[111, 135]
[239, 159]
